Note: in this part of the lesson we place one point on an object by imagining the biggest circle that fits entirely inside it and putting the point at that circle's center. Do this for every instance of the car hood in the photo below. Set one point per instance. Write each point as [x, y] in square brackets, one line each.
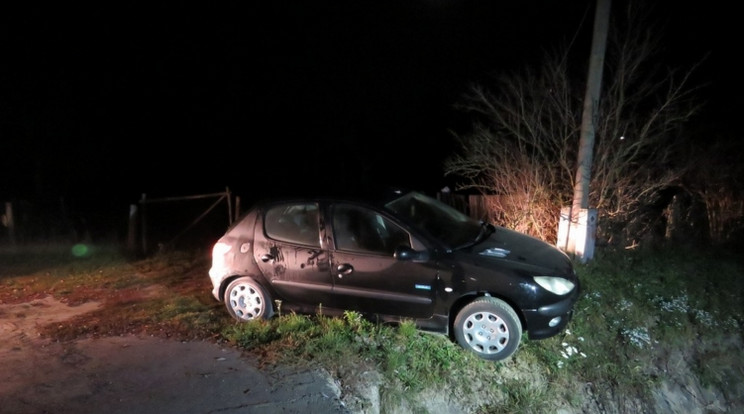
[525, 251]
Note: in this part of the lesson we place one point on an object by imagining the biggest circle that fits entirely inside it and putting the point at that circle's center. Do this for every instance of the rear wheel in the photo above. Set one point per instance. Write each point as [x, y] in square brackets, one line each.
[246, 300]
[489, 327]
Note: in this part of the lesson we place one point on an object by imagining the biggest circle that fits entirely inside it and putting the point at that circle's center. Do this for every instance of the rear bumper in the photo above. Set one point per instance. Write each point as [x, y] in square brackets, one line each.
[216, 276]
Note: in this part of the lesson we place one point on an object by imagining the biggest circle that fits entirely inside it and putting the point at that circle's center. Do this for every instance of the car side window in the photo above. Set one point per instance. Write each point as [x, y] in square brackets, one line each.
[294, 223]
[360, 230]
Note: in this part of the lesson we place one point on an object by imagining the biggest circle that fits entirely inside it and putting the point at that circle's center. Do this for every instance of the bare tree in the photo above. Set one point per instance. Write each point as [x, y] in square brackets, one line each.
[526, 129]
[521, 148]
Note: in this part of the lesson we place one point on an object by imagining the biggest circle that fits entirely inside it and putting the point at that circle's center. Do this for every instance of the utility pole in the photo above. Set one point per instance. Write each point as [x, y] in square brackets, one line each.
[577, 229]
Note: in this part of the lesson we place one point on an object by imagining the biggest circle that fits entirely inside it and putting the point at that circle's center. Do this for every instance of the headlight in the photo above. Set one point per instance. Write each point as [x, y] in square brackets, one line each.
[557, 285]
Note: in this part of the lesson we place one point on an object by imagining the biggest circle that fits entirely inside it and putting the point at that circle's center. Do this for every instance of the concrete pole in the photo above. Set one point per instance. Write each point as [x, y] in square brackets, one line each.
[581, 230]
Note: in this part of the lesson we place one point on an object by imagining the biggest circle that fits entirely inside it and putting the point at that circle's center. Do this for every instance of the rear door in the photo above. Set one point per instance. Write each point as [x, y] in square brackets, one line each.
[291, 255]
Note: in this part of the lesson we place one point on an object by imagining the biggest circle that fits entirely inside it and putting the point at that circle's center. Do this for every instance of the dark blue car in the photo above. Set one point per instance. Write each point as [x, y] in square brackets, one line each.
[404, 257]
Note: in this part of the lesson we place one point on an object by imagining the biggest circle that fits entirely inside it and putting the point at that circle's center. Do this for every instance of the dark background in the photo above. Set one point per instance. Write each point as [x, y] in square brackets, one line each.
[100, 103]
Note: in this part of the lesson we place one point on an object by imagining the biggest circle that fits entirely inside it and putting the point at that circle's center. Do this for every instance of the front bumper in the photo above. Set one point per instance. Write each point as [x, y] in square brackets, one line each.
[538, 320]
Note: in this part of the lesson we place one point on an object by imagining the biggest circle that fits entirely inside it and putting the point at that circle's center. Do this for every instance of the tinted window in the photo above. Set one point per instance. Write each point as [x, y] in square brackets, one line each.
[361, 230]
[294, 223]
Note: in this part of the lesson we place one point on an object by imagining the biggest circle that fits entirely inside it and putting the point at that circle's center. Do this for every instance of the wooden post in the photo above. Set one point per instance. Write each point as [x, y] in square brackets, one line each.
[229, 206]
[237, 208]
[132, 233]
[9, 222]
[143, 221]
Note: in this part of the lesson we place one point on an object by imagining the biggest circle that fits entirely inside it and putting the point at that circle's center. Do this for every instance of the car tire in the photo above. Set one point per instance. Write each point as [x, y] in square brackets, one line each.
[247, 300]
[489, 327]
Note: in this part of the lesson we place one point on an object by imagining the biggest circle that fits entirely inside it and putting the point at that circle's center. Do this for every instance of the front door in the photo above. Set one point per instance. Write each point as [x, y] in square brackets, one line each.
[366, 276]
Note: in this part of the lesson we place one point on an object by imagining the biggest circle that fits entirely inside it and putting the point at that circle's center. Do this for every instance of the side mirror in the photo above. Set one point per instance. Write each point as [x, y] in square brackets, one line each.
[408, 254]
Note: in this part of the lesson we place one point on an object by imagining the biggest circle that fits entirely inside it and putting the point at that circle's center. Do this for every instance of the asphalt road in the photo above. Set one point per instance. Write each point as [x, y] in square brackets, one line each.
[147, 375]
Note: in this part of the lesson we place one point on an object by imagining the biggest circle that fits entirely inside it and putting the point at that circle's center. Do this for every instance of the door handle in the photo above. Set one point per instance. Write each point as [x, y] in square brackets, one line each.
[344, 269]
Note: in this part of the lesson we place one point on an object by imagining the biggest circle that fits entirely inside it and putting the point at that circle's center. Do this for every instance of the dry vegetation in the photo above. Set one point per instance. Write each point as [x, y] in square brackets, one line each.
[157, 296]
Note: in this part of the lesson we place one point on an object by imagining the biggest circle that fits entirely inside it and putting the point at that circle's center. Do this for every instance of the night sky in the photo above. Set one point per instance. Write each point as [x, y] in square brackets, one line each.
[109, 101]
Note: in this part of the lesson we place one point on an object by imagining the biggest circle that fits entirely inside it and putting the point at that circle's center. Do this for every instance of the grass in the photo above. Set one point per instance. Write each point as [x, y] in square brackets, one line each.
[639, 312]
[652, 303]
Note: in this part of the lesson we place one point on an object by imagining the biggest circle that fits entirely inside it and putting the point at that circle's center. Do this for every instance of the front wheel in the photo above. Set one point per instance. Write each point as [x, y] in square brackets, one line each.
[489, 327]
[246, 300]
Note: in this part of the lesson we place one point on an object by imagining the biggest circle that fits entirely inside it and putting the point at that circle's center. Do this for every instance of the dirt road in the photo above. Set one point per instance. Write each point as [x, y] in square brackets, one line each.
[141, 375]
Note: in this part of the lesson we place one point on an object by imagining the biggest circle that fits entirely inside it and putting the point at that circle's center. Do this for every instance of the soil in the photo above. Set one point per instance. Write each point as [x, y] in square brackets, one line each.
[141, 374]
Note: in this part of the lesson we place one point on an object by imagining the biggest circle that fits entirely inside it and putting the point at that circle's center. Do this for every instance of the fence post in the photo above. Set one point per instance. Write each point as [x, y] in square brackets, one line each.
[9, 222]
[237, 209]
[143, 219]
[132, 232]
[229, 206]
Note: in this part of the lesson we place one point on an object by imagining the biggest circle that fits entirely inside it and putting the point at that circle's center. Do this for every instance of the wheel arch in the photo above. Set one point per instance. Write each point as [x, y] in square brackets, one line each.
[257, 278]
[468, 298]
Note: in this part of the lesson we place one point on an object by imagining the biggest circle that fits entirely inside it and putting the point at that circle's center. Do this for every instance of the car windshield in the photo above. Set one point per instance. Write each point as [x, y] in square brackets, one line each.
[445, 223]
